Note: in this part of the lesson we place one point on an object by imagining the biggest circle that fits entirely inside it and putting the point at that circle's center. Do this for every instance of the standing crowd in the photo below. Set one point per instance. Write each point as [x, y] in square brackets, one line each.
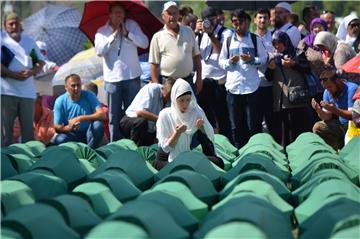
[284, 78]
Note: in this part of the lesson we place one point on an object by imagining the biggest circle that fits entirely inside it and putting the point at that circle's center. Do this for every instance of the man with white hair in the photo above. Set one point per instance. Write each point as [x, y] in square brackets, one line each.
[174, 51]
[282, 22]
[20, 61]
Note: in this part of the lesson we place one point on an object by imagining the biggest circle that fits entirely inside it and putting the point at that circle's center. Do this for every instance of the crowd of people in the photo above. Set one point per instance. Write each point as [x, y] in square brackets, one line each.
[205, 79]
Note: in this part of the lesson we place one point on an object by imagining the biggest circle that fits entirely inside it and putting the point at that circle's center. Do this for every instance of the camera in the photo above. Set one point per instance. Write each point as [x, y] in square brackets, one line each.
[207, 24]
[277, 59]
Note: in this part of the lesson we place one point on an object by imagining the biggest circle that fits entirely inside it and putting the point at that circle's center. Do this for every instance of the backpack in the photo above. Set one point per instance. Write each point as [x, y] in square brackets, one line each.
[253, 39]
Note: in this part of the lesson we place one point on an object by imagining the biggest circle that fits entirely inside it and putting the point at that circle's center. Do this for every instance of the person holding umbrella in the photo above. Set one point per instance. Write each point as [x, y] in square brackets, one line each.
[117, 43]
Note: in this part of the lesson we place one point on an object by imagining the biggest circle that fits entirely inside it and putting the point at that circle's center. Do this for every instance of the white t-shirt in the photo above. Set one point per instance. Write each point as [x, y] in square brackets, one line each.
[26, 88]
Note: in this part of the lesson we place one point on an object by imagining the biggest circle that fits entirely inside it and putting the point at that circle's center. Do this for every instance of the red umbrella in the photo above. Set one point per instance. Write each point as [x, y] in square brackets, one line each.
[96, 14]
[352, 65]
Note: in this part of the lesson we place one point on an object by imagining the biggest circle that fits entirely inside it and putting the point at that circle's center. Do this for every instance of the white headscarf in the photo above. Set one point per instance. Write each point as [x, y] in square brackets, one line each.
[342, 30]
[170, 117]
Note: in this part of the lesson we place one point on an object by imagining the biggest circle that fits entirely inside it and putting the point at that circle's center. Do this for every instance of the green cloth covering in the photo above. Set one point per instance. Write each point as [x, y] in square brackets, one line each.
[265, 139]
[19, 149]
[120, 184]
[324, 193]
[303, 141]
[15, 194]
[132, 164]
[250, 209]
[351, 153]
[148, 152]
[279, 187]
[40, 221]
[301, 193]
[7, 233]
[194, 161]
[175, 207]
[259, 162]
[22, 162]
[236, 230]
[259, 189]
[107, 150]
[117, 229]
[309, 152]
[126, 144]
[198, 183]
[315, 165]
[322, 223]
[197, 208]
[36, 147]
[86, 166]
[7, 167]
[224, 149]
[43, 183]
[63, 163]
[78, 211]
[219, 154]
[156, 221]
[102, 199]
[265, 150]
[83, 151]
[347, 228]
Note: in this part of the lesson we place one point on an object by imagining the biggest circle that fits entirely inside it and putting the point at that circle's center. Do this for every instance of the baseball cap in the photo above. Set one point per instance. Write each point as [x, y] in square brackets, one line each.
[169, 4]
[284, 5]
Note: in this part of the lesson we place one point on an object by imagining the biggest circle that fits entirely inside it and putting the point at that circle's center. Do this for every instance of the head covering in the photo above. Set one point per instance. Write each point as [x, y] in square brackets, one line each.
[169, 4]
[42, 45]
[284, 5]
[309, 39]
[283, 37]
[327, 40]
[349, 19]
[194, 111]
[342, 30]
[209, 12]
[11, 16]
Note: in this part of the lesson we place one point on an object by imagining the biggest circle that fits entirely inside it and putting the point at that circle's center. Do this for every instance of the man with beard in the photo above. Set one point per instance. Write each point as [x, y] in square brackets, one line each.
[174, 51]
[335, 110]
[282, 22]
[20, 61]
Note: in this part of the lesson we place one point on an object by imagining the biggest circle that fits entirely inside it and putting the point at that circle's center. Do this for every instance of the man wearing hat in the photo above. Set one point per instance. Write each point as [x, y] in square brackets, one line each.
[20, 61]
[213, 76]
[174, 51]
[282, 22]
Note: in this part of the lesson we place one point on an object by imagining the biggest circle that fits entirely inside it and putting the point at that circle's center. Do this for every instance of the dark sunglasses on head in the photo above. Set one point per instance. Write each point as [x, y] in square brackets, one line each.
[328, 11]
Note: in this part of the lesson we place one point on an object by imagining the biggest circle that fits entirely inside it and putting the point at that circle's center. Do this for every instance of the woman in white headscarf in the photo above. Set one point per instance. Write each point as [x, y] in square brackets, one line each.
[177, 125]
[335, 52]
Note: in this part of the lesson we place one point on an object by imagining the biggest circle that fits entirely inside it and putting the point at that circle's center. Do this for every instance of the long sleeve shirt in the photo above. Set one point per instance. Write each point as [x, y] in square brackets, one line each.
[120, 56]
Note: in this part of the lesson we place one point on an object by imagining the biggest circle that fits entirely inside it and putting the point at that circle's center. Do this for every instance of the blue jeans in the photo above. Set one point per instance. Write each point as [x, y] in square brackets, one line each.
[92, 136]
[244, 116]
[120, 96]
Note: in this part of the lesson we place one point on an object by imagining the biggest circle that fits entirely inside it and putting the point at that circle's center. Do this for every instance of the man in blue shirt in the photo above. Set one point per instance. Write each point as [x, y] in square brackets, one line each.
[78, 115]
[335, 110]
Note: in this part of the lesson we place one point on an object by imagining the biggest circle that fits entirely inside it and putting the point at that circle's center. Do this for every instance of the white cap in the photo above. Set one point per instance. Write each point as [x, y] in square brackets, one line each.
[42, 45]
[284, 5]
[169, 4]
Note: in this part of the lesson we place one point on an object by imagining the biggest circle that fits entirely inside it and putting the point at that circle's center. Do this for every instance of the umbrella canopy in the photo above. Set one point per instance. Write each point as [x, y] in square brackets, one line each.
[352, 65]
[96, 14]
[246, 5]
[86, 64]
[57, 26]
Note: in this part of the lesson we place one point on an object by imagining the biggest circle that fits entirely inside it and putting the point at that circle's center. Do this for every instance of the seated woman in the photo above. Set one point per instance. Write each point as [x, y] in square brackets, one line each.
[177, 125]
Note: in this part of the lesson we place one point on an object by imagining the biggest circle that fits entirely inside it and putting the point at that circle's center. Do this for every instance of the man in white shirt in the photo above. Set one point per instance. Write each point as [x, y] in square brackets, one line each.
[241, 55]
[139, 123]
[282, 22]
[20, 61]
[213, 76]
[117, 43]
[262, 22]
[173, 50]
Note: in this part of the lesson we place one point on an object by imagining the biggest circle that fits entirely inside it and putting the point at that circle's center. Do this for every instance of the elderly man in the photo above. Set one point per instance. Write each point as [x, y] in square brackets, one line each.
[335, 110]
[282, 22]
[139, 122]
[174, 51]
[78, 115]
[117, 42]
[20, 61]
